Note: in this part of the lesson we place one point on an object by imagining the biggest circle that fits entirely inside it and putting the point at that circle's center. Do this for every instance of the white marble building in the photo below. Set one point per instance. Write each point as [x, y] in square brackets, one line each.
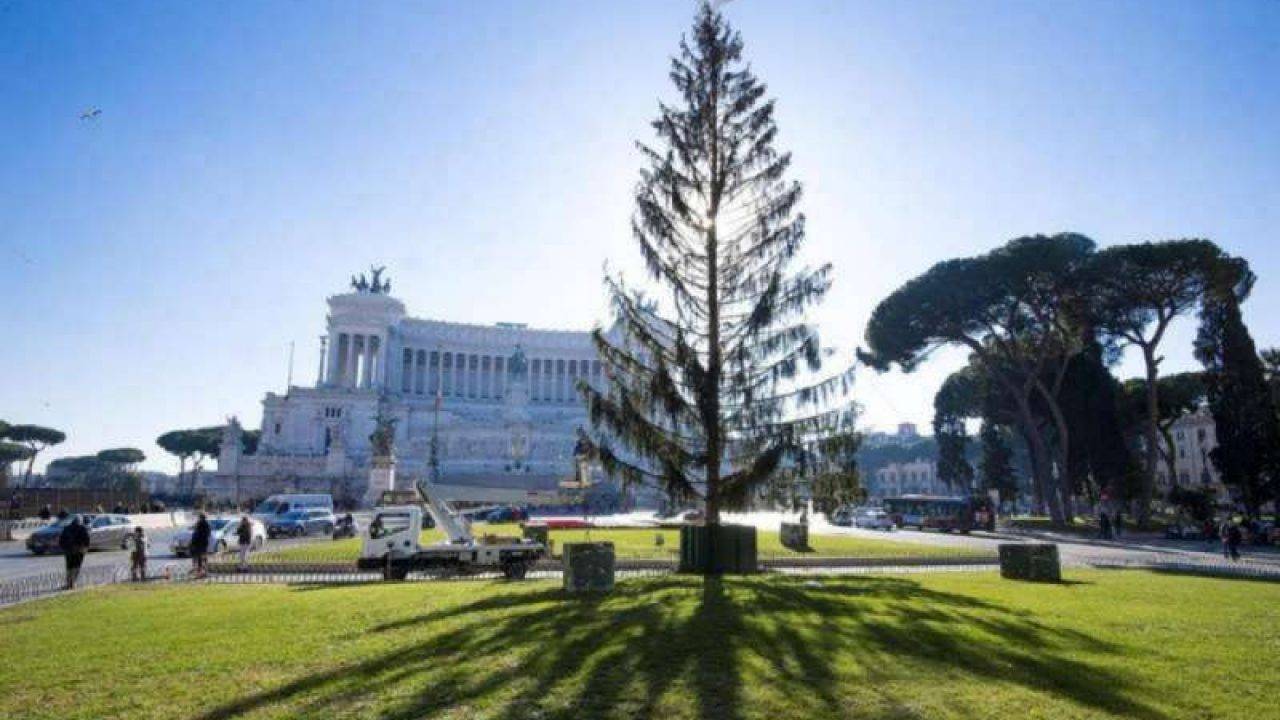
[918, 477]
[1194, 436]
[501, 398]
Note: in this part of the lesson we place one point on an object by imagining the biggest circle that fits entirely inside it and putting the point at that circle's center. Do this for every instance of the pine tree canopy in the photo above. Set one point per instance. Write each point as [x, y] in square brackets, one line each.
[711, 388]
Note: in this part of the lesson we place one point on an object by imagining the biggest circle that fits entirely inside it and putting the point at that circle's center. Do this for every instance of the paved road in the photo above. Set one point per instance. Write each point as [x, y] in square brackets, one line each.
[1072, 548]
[17, 562]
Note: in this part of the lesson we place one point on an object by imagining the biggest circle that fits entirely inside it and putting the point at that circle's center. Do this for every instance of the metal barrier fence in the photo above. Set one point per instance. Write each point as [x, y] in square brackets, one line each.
[31, 587]
[9, 527]
[225, 571]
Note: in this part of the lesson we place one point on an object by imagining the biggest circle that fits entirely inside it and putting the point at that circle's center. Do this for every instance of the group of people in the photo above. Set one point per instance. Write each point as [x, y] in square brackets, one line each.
[1111, 526]
[201, 540]
[1228, 531]
[46, 512]
[1231, 535]
[74, 542]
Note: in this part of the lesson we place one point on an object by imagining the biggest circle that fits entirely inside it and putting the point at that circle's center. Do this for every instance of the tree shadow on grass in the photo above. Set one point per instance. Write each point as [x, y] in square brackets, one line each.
[706, 647]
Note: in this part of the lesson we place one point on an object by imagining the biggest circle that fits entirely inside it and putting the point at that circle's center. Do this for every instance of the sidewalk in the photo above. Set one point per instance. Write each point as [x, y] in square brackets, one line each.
[1149, 543]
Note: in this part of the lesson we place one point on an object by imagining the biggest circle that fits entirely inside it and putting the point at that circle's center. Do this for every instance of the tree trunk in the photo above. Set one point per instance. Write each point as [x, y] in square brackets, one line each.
[1147, 491]
[1061, 483]
[1041, 463]
[1170, 460]
[31, 462]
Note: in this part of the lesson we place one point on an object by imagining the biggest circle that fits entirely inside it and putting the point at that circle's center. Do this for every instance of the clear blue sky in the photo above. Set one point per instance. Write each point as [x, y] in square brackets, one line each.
[156, 262]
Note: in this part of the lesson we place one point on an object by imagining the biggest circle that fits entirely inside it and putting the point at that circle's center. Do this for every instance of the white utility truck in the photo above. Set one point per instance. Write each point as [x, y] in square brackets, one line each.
[391, 543]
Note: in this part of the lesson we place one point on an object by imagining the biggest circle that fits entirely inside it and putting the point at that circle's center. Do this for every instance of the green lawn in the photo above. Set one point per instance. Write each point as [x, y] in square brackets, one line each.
[946, 645]
[631, 543]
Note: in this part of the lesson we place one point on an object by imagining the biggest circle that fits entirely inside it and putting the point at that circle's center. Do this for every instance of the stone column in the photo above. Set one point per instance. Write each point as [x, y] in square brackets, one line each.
[324, 341]
[373, 378]
[353, 360]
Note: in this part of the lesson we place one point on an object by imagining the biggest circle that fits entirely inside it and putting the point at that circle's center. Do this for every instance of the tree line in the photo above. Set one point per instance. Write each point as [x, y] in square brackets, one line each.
[114, 468]
[1045, 318]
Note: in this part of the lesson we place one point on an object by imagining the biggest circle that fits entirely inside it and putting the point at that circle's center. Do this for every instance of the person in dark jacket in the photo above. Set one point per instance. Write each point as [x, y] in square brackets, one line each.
[1234, 538]
[244, 536]
[46, 513]
[74, 542]
[1104, 525]
[138, 546]
[200, 544]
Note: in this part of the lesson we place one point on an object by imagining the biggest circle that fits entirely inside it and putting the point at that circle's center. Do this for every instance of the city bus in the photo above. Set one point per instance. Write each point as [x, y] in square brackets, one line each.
[937, 513]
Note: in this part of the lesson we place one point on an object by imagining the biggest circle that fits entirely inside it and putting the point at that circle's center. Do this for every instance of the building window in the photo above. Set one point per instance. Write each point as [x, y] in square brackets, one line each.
[448, 374]
[419, 373]
[406, 371]
[499, 377]
[535, 380]
[473, 375]
[277, 428]
[486, 376]
[433, 374]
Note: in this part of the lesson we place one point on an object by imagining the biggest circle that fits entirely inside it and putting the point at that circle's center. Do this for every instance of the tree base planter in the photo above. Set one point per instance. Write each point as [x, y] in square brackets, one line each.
[1030, 561]
[795, 536]
[734, 549]
[588, 567]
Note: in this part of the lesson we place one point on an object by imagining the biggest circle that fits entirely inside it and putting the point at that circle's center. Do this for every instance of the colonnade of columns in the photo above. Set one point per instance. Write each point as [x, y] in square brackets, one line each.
[484, 376]
[355, 360]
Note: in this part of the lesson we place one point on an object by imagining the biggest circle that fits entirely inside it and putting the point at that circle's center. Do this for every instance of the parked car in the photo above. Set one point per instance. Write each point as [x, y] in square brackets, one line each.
[506, 515]
[299, 523]
[872, 518]
[345, 528]
[222, 536]
[843, 517]
[1177, 531]
[106, 532]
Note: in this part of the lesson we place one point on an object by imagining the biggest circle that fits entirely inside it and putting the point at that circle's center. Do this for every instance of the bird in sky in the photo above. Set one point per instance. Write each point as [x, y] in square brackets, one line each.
[91, 114]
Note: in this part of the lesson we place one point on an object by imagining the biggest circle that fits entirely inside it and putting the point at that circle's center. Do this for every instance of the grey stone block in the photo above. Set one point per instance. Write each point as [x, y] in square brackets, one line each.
[588, 567]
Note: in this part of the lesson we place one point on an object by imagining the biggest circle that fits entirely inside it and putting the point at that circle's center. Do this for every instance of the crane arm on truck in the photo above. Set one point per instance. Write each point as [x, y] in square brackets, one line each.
[454, 526]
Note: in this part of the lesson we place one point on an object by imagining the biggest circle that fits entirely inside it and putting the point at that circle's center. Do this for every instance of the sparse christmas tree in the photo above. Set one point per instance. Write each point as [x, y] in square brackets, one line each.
[716, 383]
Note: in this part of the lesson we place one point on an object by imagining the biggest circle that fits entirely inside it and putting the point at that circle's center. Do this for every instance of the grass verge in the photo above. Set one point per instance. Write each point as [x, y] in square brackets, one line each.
[963, 645]
[647, 544]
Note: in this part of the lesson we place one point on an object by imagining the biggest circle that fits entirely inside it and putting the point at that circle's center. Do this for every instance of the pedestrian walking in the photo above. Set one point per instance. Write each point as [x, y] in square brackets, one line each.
[74, 542]
[1118, 525]
[1234, 538]
[244, 536]
[1104, 526]
[200, 537]
[138, 546]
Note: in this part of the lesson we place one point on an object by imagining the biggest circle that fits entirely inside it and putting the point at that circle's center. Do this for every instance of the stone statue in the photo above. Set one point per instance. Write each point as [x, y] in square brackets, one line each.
[373, 283]
[384, 436]
[518, 365]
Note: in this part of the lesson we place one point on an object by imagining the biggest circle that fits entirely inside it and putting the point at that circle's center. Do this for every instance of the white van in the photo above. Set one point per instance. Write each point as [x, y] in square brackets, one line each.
[280, 504]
